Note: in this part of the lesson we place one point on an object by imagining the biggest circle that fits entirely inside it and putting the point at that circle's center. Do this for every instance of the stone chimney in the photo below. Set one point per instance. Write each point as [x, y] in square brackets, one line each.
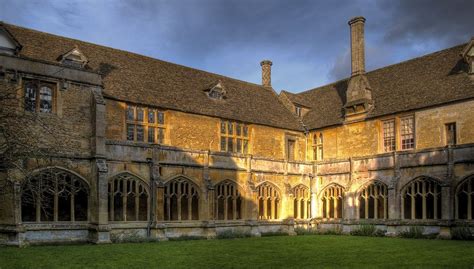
[266, 73]
[357, 46]
[359, 93]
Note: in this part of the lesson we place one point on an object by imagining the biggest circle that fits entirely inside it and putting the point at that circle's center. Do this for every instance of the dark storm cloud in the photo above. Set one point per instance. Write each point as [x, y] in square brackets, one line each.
[308, 41]
[446, 22]
[406, 29]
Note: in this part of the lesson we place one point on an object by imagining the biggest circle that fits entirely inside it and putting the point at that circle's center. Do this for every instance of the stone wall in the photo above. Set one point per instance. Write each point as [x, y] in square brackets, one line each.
[365, 138]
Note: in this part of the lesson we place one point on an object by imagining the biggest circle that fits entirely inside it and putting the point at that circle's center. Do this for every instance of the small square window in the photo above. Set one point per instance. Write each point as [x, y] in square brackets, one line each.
[451, 133]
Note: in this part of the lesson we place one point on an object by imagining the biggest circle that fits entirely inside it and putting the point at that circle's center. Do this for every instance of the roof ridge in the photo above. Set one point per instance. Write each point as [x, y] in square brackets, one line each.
[384, 67]
[130, 52]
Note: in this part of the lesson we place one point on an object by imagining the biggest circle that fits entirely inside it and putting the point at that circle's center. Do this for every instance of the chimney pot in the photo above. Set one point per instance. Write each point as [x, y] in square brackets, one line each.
[266, 73]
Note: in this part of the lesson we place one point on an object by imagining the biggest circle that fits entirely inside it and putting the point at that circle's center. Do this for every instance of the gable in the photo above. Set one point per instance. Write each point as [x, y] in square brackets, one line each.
[74, 58]
[7, 44]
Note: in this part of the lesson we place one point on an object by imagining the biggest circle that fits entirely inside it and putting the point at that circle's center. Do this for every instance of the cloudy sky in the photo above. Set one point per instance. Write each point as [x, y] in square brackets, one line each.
[308, 41]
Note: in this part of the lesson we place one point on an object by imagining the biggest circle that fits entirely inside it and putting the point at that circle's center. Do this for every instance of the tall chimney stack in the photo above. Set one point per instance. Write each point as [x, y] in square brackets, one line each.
[357, 46]
[266, 73]
[359, 100]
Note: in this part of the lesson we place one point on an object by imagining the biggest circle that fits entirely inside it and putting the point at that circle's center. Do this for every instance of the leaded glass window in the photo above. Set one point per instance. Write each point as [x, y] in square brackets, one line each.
[407, 133]
[389, 143]
[234, 137]
[145, 124]
[39, 96]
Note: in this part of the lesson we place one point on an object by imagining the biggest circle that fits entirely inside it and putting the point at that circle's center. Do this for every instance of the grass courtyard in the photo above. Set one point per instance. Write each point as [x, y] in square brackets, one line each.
[309, 251]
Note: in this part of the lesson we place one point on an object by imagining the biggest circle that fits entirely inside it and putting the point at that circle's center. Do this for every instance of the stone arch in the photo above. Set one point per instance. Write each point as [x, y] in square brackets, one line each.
[331, 198]
[181, 199]
[53, 194]
[229, 202]
[176, 176]
[421, 198]
[464, 198]
[301, 201]
[268, 201]
[372, 197]
[129, 197]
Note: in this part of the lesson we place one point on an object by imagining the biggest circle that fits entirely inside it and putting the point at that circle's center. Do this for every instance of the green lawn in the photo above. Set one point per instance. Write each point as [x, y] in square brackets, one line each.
[266, 252]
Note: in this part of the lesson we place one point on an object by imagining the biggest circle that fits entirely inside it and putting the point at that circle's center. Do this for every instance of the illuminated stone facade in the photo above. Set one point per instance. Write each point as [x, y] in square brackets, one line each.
[142, 149]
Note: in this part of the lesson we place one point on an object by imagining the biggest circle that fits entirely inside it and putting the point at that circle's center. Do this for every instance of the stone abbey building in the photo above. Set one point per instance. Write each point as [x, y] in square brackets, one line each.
[123, 146]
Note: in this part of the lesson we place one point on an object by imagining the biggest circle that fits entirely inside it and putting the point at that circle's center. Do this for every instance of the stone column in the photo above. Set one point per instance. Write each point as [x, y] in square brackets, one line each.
[100, 231]
[447, 203]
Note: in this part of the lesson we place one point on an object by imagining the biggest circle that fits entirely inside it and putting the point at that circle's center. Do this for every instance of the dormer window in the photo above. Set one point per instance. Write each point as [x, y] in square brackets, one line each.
[298, 111]
[217, 91]
[74, 58]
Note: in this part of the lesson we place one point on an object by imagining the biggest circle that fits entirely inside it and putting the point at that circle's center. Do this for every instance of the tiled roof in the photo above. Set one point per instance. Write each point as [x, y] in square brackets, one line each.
[430, 80]
[144, 80]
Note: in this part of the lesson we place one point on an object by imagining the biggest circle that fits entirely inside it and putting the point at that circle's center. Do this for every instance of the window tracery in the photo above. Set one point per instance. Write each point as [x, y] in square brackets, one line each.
[301, 202]
[228, 201]
[332, 202]
[421, 199]
[181, 200]
[268, 202]
[373, 201]
[465, 199]
[54, 195]
[128, 198]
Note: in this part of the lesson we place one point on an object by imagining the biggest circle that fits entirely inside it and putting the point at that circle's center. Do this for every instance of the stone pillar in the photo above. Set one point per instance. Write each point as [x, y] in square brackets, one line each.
[446, 203]
[211, 206]
[357, 46]
[160, 196]
[100, 231]
[20, 231]
[349, 206]
[393, 204]
[266, 73]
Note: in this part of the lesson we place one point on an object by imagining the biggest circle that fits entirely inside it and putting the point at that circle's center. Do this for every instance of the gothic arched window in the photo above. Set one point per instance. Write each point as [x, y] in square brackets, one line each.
[228, 201]
[332, 200]
[421, 199]
[373, 201]
[268, 201]
[301, 202]
[465, 199]
[128, 198]
[181, 200]
[54, 195]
